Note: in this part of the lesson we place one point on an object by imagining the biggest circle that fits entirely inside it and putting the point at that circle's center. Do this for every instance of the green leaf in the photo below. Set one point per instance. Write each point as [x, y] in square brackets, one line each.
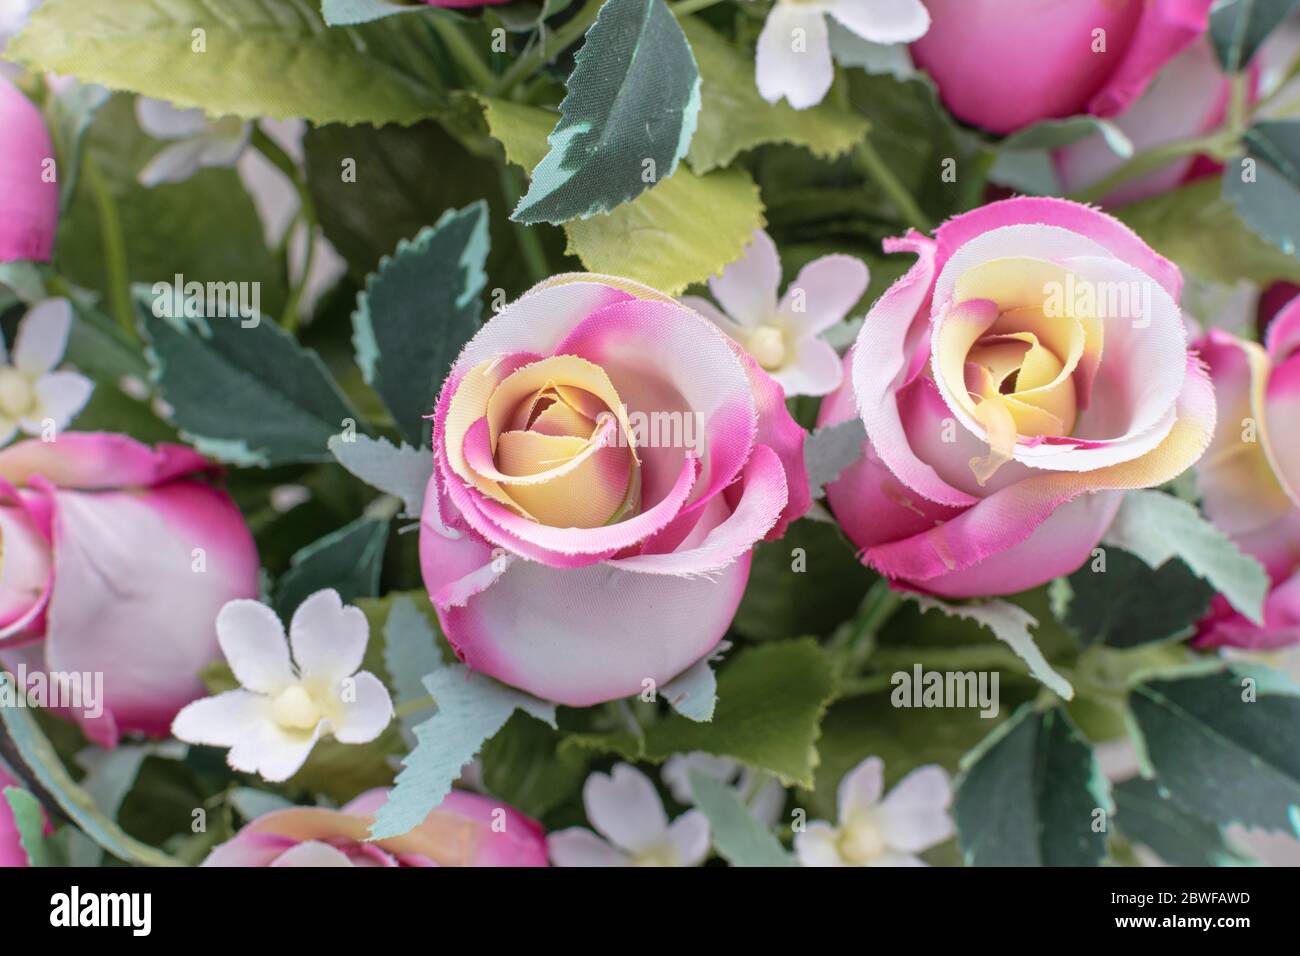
[734, 118]
[278, 403]
[109, 777]
[1129, 603]
[828, 451]
[1264, 186]
[1053, 134]
[348, 560]
[37, 754]
[1028, 795]
[251, 803]
[770, 701]
[471, 708]
[1239, 27]
[1156, 527]
[632, 103]
[1198, 228]
[418, 308]
[345, 12]
[655, 239]
[29, 821]
[1010, 624]
[401, 471]
[69, 111]
[260, 58]
[24, 279]
[1223, 745]
[737, 836]
[806, 583]
[694, 692]
[410, 650]
[1144, 815]
[524, 765]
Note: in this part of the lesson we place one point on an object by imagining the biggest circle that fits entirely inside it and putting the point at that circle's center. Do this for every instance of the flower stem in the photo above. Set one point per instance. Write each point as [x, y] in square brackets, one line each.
[111, 235]
[463, 52]
[546, 51]
[1217, 144]
[875, 166]
[530, 246]
[686, 7]
[282, 161]
[855, 642]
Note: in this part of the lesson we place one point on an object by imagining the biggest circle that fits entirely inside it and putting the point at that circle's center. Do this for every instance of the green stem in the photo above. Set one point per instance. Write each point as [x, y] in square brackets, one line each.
[547, 50]
[306, 209]
[960, 658]
[110, 229]
[413, 706]
[685, 8]
[854, 643]
[1217, 144]
[530, 247]
[463, 52]
[874, 166]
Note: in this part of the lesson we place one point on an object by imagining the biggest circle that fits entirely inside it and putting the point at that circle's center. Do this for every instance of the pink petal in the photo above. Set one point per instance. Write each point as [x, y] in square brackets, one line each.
[29, 198]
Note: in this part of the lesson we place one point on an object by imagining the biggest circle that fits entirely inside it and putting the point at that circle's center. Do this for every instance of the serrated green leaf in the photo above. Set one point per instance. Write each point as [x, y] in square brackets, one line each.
[656, 238]
[277, 403]
[1130, 603]
[471, 708]
[348, 560]
[109, 777]
[410, 650]
[770, 702]
[1053, 134]
[525, 765]
[737, 836]
[734, 118]
[418, 308]
[694, 692]
[1156, 527]
[345, 12]
[1264, 186]
[1028, 795]
[1146, 816]
[1239, 27]
[1219, 753]
[828, 451]
[633, 99]
[401, 471]
[29, 821]
[259, 58]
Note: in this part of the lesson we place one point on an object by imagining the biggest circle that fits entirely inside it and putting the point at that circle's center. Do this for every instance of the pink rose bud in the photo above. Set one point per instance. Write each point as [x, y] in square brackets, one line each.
[29, 192]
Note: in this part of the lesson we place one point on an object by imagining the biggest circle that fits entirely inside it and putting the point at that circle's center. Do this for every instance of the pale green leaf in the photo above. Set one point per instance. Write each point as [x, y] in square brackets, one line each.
[737, 836]
[401, 471]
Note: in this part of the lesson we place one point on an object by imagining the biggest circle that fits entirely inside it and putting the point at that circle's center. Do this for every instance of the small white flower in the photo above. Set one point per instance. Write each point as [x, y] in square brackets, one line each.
[625, 807]
[285, 706]
[875, 832]
[31, 392]
[783, 336]
[765, 805]
[794, 51]
[199, 142]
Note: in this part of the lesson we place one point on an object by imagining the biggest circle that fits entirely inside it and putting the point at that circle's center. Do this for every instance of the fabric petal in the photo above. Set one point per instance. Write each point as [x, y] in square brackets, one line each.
[60, 395]
[174, 163]
[625, 807]
[817, 845]
[814, 368]
[161, 120]
[577, 846]
[29, 200]
[252, 639]
[793, 58]
[42, 337]
[914, 814]
[860, 789]
[312, 854]
[883, 21]
[97, 460]
[221, 721]
[328, 639]
[689, 835]
[823, 292]
[364, 718]
[747, 287]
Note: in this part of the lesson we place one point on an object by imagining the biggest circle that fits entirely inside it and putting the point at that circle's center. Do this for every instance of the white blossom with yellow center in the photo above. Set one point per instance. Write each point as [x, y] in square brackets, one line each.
[285, 705]
[34, 398]
[625, 809]
[783, 337]
[194, 141]
[874, 832]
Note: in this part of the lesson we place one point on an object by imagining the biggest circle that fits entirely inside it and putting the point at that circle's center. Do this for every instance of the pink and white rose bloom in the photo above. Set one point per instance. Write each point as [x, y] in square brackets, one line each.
[1005, 64]
[117, 558]
[466, 829]
[29, 193]
[783, 336]
[1029, 368]
[604, 461]
[1249, 479]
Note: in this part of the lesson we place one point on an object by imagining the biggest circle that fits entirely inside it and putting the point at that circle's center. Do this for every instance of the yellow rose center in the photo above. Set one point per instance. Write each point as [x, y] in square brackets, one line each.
[17, 397]
[294, 709]
[767, 345]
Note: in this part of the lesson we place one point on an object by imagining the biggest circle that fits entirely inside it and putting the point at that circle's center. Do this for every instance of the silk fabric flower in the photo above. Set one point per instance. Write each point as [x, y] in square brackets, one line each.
[29, 192]
[1030, 367]
[117, 558]
[466, 829]
[1004, 64]
[1249, 479]
[604, 461]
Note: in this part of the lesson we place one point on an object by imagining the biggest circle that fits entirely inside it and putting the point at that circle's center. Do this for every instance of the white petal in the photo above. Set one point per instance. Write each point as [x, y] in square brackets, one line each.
[813, 368]
[252, 638]
[861, 788]
[803, 75]
[271, 752]
[825, 290]
[767, 803]
[689, 835]
[579, 847]
[714, 315]
[161, 120]
[59, 396]
[915, 813]
[883, 21]
[312, 853]
[676, 772]
[42, 336]
[8, 429]
[365, 718]
[329, 639]
[173, 164]
[220, 721]
[225, 142]
[816, 845]
[625, 807]
[746, 290]
[895, 858]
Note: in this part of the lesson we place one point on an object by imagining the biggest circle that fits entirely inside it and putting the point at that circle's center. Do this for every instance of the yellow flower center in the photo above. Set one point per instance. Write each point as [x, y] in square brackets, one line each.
[662, 854]
[17, 397]
[767, 345]
[861, 840]
[294, 709]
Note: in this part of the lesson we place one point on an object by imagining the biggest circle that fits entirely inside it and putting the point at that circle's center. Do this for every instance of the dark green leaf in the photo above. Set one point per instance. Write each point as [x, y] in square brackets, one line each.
[1150, 818]
[1264, 185]
[525, 766]
[348, 560]
[1239, 27]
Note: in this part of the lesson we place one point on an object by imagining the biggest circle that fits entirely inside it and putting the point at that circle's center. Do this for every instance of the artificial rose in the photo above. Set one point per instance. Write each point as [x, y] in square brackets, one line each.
[1005, 413]
[466, 829]
[29, 194]
[604, 460]
[1249, 479]
[117, 559]
[12, 853]
[1004, 64]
